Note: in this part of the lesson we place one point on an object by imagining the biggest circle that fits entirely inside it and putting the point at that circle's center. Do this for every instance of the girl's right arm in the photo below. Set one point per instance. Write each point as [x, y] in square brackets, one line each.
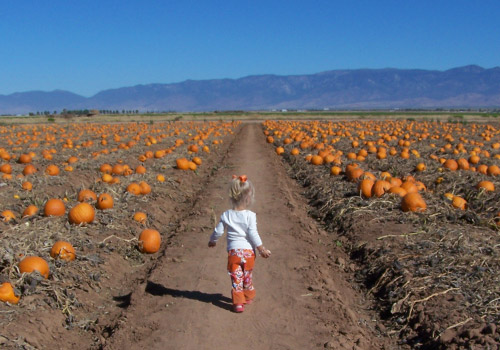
[218, 232]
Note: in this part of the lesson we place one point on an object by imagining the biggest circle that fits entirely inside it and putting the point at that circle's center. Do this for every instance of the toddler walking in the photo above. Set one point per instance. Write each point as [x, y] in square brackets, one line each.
[242, 240]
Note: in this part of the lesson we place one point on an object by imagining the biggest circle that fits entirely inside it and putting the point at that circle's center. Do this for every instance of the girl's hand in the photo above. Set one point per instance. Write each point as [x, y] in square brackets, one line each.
[211, 244]
[263, 252]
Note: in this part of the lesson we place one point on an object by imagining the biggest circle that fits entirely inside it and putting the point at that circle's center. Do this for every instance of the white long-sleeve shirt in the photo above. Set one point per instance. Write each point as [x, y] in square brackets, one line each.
[241, 228]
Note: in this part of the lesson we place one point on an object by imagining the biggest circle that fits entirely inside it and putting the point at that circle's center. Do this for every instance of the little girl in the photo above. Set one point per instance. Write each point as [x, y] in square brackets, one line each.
[242, 240]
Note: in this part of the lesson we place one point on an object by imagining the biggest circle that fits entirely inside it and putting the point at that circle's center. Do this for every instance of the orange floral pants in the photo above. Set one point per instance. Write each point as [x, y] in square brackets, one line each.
[240, 263]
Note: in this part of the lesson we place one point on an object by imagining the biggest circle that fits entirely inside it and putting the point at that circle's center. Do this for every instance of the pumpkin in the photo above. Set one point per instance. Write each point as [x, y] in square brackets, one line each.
[493, 170]
[380, 188]
[192, 165]
[82, 213]
[7, 215]
[6, 168]
[134, 188]
[409, 186]
[486, 185]
[182, 163]
[197, 160]
[140, 217]
[27, 186]
[30, 210]
[450, 164]
[106, 168]
[335, 170]
[160, 178]
[463, 164]
[413, 202]
[29, 169]
[86, 195]
[280, 150]
[459, 203]
[104, 201]
[54, 207]
[34, 263]
[295, 152]
[107, 178]
[420, 167]
[24, 159]
[398, 190]
[117, 169]
[365, 187]
[354, 174]
[140, 169]
[7, 294]
[63, 250]
[317, 160]
[52, 170]
[149, 241]
[145, 188]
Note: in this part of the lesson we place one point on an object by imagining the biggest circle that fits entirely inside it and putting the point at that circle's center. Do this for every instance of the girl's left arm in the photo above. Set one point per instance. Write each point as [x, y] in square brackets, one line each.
[253, 234]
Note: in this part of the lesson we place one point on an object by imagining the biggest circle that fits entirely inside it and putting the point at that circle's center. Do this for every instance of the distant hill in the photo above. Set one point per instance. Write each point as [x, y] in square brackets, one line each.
[463, 87]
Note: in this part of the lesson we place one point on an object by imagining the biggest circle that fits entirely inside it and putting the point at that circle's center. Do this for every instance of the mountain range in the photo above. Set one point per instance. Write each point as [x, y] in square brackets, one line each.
[463, 87]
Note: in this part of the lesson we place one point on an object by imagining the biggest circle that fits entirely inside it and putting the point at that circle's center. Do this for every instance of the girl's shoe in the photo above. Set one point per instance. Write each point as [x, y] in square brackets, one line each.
[239, 308]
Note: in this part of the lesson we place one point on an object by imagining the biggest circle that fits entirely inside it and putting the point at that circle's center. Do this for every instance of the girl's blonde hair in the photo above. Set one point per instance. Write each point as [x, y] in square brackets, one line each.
[241, 192]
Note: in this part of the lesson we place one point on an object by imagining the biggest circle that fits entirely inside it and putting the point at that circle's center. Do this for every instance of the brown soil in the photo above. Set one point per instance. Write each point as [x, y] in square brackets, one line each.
[304, 299]
[179, 298]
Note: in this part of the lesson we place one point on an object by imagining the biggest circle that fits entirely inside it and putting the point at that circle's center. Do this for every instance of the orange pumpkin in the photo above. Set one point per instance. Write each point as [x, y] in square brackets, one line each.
[149, 241]
[182, 163]
[34, 263]
[82, 213]
[145, 188]
[106, 168]
[24, 159]
[63, 250]
[6, 168]
[7, 215]
[29, 169]
[27, 186]
[117, 169]
[398, 190]
[413, 202]
[86, 195]
[459, 203]
[450, 164]
[140, 169]
[335, 170]
[134, 188]
[365, 187]
[140, 217]
[493, 170]
[52, 170]
[197, 160]
[486, 185]
[380, 188]
[192, 165]
[409, 186]
[30, 210]
[54, 207]
[104, 201]
[7, 294]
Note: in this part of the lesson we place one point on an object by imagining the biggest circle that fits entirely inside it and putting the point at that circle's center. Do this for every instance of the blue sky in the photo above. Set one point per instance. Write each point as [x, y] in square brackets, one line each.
[89, 46]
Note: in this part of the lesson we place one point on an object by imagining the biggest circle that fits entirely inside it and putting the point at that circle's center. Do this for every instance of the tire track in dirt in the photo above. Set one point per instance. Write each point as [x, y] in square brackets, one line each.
[304, 298]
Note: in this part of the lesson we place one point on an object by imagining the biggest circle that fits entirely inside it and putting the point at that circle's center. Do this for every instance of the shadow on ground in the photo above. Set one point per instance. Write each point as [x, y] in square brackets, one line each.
[215, 299]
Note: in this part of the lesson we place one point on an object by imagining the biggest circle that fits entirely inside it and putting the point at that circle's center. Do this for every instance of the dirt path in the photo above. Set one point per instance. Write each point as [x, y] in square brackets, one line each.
[304, 297]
